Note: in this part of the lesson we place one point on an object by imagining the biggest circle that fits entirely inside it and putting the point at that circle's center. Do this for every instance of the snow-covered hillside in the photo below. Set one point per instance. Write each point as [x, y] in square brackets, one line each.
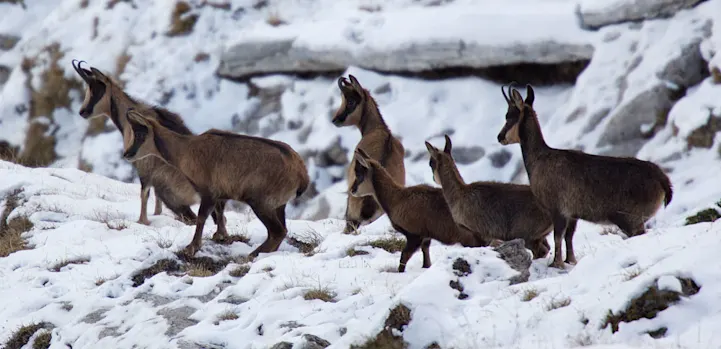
[624, 77]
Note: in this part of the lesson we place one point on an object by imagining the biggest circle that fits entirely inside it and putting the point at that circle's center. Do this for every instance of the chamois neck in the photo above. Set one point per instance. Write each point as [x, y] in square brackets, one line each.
[120, 102]
[385, 188]
[450, 179]
[170, 145]
[371, 117]
[532, 142]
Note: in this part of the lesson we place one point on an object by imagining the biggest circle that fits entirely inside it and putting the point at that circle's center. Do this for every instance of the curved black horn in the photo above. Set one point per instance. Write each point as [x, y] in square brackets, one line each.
[340, 82]
[82, 72]
[510, 88]
[504, 94]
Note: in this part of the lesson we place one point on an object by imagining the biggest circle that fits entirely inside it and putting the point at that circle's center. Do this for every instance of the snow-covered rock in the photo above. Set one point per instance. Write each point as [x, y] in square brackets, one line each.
[598, 13]
[412, 39]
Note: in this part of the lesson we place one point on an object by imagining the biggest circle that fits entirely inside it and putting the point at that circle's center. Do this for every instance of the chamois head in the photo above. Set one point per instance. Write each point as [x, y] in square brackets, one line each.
[440, 159]
[364, 169]
[353, 98]
[517, 110]
[138, 139]
[97, 100]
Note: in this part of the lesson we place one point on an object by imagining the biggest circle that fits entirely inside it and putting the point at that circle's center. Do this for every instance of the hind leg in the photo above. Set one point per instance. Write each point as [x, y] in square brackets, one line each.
[144, 194]
[358, 211]
[219, 218]
[158, 204]
[568, 236]
[425, 247]
[280, 214]
[206, 205]
[559, 228]
[276, 229]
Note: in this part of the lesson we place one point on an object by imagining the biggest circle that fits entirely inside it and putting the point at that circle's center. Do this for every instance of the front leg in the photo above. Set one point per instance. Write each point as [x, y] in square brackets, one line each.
[568, 236]
[144, 194]
[559, 228]
[158, 204]
[413, 242]
[221, 234]
[206, 204]
[425, 246]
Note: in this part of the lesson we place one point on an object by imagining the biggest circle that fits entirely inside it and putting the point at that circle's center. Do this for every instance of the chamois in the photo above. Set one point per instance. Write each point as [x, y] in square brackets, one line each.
[263, 173]
[103, 96]
[358, 108]
[502, 211]
[418, 212]
[573, 185]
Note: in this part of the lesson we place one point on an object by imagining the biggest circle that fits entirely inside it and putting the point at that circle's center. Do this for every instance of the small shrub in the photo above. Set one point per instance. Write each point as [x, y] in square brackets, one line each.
[707, 215]
[529, 294]
[319, 293]
[390, 244]
[399, 317]
[42, 341]
[11, 231]
[65, 262]
[352, 252]
[240, 271]
[202, 266]
[22, 335]
[307, 243]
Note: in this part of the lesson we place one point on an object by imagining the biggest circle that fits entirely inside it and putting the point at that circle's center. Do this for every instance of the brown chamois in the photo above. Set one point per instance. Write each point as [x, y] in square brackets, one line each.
[103, 96]
[222, 166]
[358, 108]
[418, 212]
[502, 211]
[573, 185]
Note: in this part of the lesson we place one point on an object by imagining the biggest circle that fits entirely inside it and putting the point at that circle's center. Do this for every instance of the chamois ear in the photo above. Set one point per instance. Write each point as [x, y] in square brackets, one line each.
[530, 95]
[135, 117]
[362, 153]
[355, 82]
[361, 157]
[447, 149]
[98, 74]
[517, 98]
[431, 149]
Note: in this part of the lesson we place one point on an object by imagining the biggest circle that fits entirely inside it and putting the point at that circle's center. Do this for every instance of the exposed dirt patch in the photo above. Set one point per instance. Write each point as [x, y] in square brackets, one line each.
[66, 262]
[181, 22]
[399, 317]
[650, 303]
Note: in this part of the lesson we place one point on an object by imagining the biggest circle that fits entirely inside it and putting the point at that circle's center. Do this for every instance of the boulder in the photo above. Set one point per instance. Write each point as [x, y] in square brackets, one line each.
[598, 13]
[515, 254]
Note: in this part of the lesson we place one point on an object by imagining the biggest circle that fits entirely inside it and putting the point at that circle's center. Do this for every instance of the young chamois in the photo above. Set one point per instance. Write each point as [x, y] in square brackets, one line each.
[502, 211]
[573, 185]
[418, 212]
[263, 173]
[103, 96]
[358, 108]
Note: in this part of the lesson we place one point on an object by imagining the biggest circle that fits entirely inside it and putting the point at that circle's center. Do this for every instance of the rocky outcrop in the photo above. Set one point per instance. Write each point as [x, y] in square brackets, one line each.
[595, 14]
[515, 254]
[403, 42]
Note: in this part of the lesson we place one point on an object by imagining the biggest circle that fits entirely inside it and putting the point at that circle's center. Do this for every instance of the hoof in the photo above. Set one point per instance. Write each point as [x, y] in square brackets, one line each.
[190, 250]
[557, 264]
[572, 261]
[144, 221]
[220, 237]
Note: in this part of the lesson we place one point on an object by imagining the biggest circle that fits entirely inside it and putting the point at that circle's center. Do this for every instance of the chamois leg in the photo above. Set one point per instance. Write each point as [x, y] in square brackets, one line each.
[219, 218]
[413, 242]
[559, 228]
[539, 248]
[158, 204]
[425, 245]
[359, 210]
[280, 214]
[144, 194]
[206, 204]
[276, 230]
[568, 236]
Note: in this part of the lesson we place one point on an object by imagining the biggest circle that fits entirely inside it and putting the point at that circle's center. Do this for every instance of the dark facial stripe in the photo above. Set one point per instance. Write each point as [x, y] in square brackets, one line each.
[97, 91]
[115, 114]
[351, 104]
[140, 132]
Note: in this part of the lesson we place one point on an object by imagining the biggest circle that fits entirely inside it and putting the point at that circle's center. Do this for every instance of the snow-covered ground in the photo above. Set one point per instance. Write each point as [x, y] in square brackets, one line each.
[636, 71]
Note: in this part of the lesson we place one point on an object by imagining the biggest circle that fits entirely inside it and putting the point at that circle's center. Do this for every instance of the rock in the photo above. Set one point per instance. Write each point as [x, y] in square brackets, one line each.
[7, 42]
[178, 319]
[314, 342]
[500, 158]
[366, 42]
[467, 155]
[333, 155]
[4, 74]
[624, 91]
[265, 97]
[282, 345]
[595, 14]
[515, 254]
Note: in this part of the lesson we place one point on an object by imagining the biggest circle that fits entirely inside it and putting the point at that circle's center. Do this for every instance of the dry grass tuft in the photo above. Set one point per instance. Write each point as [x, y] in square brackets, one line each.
[352, 252]
[65, 262]
[163, 265]
[306, 243]
[391, 244]
[226, 316]
[240, 271]
[319, 293]
[529, 294]
[182, 23]
[11, 231]
[275, 20]
[42, 340]
[399, 317]
[558, 303]
[21, 336]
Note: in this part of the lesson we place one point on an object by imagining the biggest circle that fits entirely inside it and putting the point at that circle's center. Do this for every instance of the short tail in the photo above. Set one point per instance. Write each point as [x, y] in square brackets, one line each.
[304, 184]
[666, 185]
